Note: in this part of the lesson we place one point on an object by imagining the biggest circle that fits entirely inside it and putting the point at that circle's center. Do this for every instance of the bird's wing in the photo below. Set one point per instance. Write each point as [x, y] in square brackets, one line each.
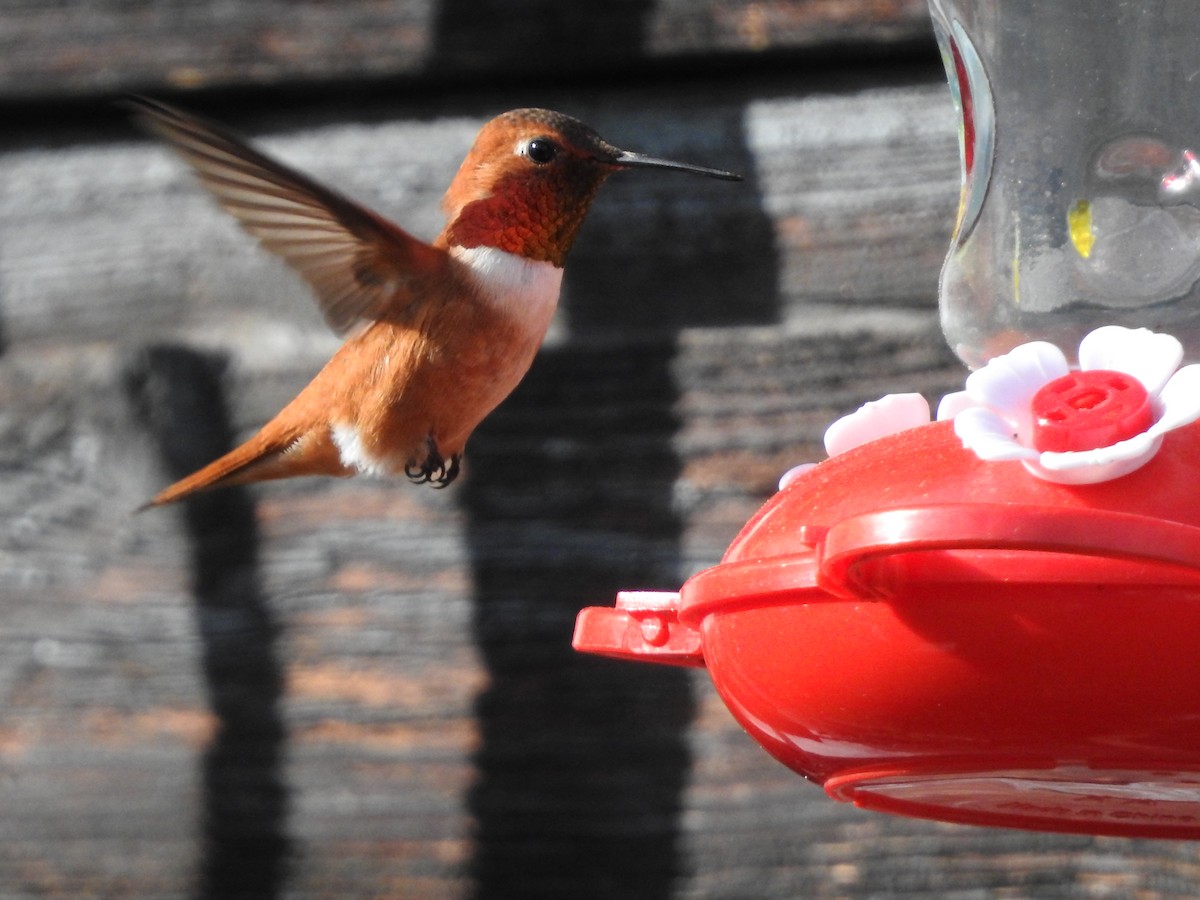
[360, 265]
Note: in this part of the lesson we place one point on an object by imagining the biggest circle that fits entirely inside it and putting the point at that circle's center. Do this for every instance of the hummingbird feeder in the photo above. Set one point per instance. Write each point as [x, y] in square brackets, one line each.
[994, 618]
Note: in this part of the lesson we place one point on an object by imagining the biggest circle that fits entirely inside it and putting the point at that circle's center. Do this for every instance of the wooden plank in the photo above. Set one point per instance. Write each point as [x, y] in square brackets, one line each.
[427, 680]
[421, 637]
[70, 49]
[848, 203]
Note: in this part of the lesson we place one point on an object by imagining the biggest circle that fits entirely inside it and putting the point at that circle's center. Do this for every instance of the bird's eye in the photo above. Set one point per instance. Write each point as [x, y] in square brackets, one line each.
[541, 150]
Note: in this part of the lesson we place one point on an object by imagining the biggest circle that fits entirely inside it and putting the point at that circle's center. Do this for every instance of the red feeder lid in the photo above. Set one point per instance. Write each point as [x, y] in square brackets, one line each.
[925, 633]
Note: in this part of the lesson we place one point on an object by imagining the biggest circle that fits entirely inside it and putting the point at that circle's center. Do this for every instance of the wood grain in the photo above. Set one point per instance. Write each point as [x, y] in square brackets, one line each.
[330, 689]
[61, 50]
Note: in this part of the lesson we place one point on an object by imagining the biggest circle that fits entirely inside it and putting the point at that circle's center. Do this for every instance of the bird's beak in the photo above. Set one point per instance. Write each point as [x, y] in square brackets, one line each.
[630, 160]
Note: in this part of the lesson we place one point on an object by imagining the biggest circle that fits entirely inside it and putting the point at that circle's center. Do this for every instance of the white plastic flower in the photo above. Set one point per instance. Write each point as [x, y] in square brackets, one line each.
[1098, 423]
[872, 420]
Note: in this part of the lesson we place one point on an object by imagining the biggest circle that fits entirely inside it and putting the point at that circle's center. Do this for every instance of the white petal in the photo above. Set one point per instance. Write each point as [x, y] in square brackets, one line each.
[988, 436]
[952, 404]
[1094, 466]
[793, 473]
[1086, 474]
[1132, 448]
[1180, 401]
[879, 418]
[1146, 355]
[1007, 383]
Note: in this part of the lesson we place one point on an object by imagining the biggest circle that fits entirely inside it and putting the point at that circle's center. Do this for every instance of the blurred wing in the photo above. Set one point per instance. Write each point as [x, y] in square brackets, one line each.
[360, 265]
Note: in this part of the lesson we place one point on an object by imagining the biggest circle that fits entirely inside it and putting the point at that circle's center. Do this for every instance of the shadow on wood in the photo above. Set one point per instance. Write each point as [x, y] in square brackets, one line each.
[547, 36]
[583, 763]
[177, 394]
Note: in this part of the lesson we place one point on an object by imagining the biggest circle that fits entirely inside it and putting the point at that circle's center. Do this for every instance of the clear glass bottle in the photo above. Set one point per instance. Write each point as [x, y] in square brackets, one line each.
[1081, 170]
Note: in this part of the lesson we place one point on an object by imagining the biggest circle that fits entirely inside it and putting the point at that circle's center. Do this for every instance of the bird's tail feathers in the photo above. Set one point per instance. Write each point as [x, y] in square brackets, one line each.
[261, 458]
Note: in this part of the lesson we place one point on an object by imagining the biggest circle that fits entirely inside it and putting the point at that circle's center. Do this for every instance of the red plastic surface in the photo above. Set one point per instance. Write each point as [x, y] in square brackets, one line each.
[925, 633]
[644, 625]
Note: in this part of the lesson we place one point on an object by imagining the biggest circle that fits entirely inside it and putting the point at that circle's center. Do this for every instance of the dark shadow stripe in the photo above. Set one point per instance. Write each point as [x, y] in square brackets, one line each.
[583, 761]
[581, 765]
[570, 497]
[178, 396]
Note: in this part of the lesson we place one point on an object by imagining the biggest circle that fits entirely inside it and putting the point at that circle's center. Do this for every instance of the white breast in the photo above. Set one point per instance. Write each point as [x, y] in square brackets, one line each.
[525, 289]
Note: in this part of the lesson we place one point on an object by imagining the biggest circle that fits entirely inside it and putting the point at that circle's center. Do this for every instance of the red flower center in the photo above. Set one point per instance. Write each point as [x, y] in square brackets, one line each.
[1089, 409]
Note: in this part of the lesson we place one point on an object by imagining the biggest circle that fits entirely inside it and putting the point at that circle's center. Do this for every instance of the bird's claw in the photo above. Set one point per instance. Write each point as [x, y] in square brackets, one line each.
[434, 468]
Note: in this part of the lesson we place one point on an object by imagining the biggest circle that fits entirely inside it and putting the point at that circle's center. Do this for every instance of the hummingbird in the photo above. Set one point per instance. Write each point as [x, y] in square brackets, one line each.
[436, 334]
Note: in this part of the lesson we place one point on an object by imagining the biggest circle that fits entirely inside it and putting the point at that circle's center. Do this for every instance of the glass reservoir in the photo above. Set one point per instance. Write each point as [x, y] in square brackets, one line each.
[1080, 151]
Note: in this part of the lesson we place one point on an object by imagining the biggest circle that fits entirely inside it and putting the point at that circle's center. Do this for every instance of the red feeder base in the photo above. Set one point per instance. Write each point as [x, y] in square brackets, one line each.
[928, 634]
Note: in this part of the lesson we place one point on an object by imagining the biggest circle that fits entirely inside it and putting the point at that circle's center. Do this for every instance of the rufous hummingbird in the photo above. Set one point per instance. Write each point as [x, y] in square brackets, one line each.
[438, 334]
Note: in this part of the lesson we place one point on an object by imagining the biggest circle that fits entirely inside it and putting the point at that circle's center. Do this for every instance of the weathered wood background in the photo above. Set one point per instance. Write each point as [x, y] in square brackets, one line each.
[363, 689]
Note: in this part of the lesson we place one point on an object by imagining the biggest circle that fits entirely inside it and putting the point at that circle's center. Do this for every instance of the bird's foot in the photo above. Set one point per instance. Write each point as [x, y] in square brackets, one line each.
[434, 468]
